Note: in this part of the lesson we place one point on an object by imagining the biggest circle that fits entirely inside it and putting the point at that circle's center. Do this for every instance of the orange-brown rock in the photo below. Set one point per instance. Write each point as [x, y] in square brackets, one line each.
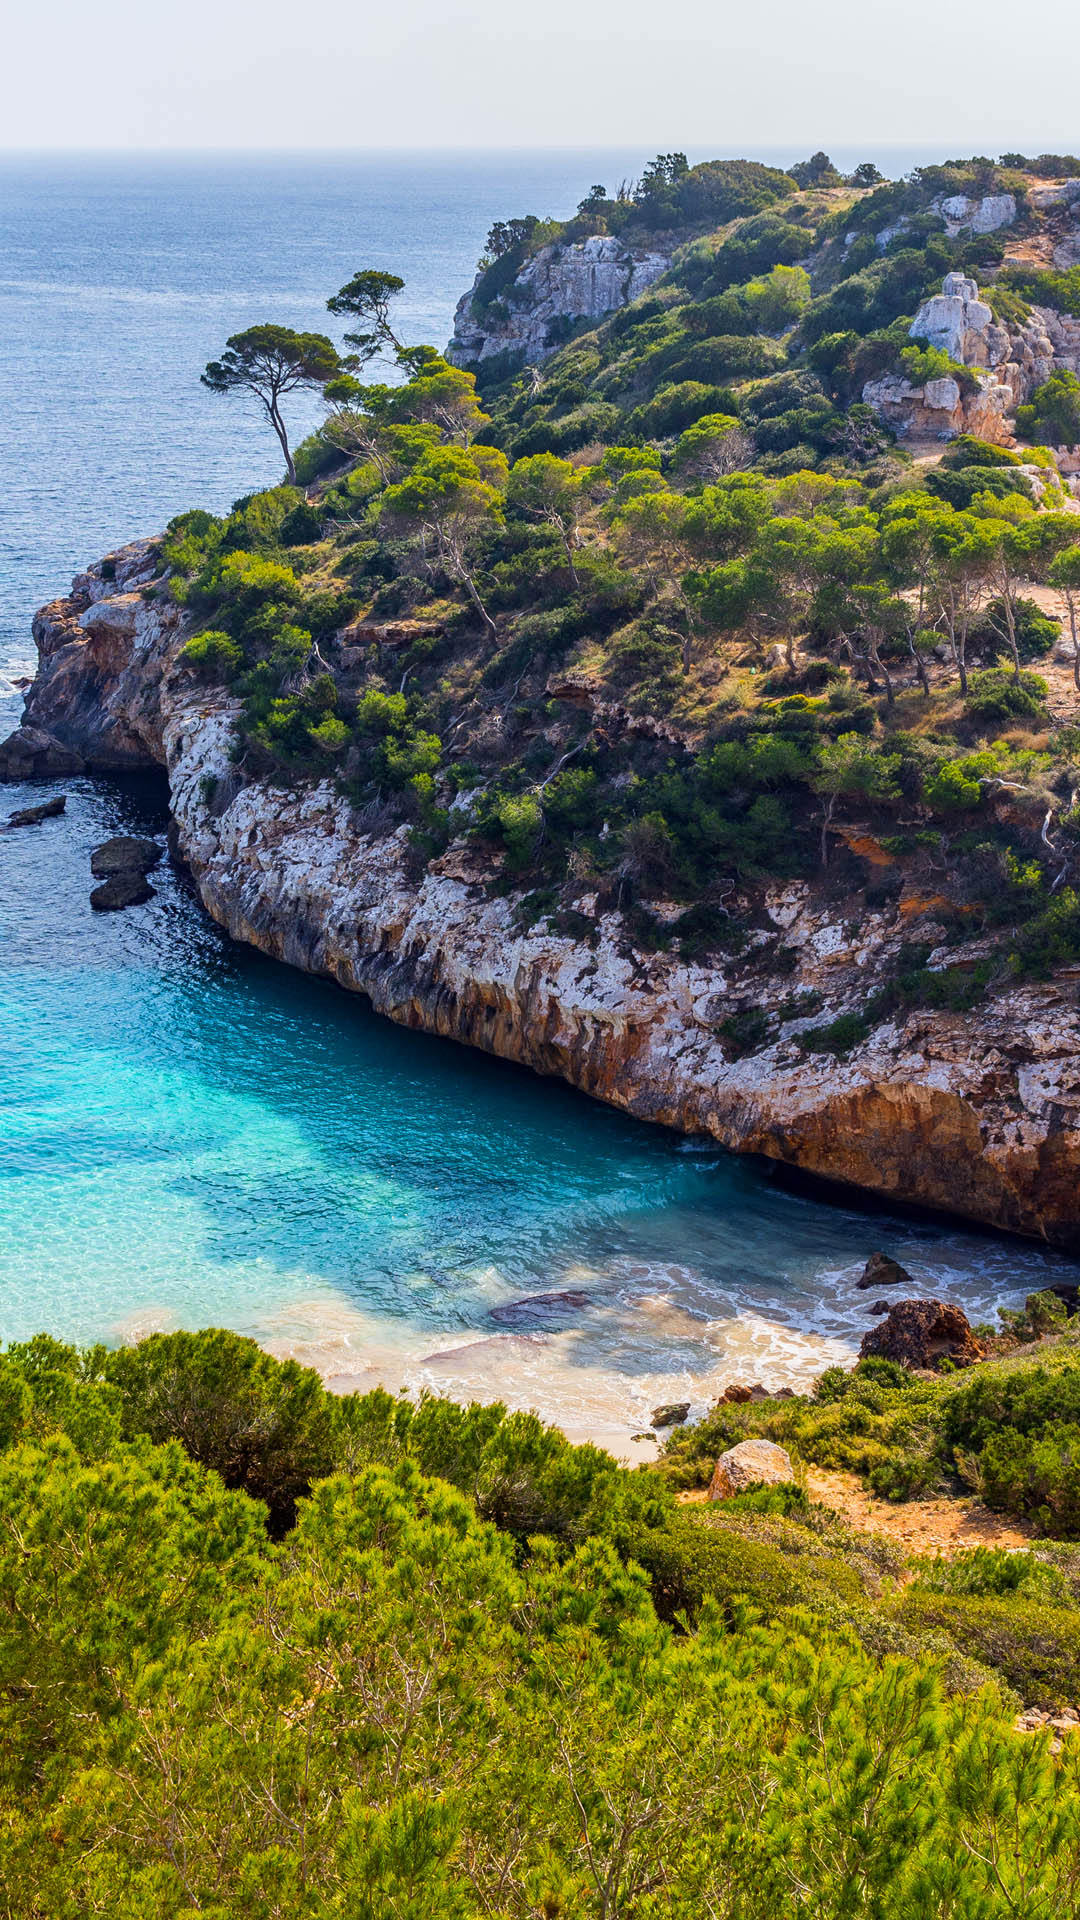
[922, 1333]
[751, 1463]
[978, 1114]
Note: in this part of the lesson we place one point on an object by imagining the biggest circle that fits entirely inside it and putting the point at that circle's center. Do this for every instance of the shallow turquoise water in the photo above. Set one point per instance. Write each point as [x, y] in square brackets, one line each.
[190, 1134]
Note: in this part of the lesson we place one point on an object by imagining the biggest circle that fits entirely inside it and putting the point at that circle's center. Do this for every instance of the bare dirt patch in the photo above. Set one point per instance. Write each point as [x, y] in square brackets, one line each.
[941, 1525]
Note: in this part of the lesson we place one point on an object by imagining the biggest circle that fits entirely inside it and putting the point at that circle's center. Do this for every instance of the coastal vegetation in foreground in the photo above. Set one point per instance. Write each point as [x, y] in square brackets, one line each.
[272, 1652]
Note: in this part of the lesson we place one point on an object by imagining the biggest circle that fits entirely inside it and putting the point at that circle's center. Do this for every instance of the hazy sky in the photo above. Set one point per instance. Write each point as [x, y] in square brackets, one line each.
[703, 74]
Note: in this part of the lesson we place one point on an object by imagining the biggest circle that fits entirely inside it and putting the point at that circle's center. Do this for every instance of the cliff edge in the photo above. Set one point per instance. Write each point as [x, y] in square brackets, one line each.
[976, 1114]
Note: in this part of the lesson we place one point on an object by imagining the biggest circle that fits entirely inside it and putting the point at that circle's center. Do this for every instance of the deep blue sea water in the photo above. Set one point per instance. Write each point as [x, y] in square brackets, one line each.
[190, 1134]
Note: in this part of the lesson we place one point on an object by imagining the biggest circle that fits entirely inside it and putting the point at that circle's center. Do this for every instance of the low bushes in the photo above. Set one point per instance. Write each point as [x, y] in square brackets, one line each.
[691, 1561]
[1034, 1646]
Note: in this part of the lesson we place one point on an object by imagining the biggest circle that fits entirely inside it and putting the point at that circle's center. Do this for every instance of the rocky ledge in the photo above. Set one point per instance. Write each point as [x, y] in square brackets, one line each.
[977, 1114]
[567, 282]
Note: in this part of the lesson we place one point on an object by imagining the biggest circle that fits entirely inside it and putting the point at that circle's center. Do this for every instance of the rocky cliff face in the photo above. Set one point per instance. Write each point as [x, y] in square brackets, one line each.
[1008, 364]
[979, 1114]
[585, 280]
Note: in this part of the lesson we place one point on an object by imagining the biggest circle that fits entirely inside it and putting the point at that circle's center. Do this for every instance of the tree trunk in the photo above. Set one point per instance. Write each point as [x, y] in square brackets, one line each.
[471, 590]
[872, 650]
[278, 425]
[826, 823]
[570, 562]
[920, 666]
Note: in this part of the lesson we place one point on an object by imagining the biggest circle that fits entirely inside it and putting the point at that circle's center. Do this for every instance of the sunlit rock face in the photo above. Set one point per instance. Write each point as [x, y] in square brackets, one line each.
[978, 1114]
[1007, 364]
[582, 281]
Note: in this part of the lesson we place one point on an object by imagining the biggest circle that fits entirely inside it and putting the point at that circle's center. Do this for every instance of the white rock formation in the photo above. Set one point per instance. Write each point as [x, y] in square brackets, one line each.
[957, 321]
[994, 210]
[1008, 363]
[585, 280]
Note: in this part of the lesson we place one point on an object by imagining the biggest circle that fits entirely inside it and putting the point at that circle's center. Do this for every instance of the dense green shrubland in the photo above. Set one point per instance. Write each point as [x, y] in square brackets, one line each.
[687, 515]
[423, 1672]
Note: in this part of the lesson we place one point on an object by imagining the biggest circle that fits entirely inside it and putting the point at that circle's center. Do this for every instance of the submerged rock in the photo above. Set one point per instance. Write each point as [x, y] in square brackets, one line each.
[921, 1333]
[881, 1270]
[753, 1463]
[32, 816]
[538, 1309]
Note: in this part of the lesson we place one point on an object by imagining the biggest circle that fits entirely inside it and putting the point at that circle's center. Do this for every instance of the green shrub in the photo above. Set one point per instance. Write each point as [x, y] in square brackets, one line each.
[691, 1561]
[998, 694]
[745, 1032]
[300, 526]
[1053, 415]
[992, 1572]
[1023, 1397]
[969, 451]
[1035, 1474]
[266, 1426]
[678, 406]
[212, 655]
[837, 1036]
[960, 487]
[1036, 1647]
[1050, 938]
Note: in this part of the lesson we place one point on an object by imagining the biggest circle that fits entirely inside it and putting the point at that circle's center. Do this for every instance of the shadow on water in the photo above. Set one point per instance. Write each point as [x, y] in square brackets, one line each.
[195, 1134]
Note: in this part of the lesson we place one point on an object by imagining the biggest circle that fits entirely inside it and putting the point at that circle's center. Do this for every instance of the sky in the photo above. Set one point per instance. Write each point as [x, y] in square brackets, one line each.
[706, 75]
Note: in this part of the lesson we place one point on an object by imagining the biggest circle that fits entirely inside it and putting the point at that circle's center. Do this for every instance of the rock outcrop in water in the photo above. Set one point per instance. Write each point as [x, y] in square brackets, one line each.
[977, 1113]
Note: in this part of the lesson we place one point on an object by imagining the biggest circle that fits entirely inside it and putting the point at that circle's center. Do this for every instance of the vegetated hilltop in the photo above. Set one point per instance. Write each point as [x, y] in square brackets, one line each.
[271, 1652]
[692, 712]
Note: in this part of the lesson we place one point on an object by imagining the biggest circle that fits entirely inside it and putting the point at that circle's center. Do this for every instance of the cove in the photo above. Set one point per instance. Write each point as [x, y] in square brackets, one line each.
[192, 1135]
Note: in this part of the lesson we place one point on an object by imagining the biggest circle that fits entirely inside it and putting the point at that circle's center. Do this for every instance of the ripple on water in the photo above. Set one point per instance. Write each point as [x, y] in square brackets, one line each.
[192, 1135]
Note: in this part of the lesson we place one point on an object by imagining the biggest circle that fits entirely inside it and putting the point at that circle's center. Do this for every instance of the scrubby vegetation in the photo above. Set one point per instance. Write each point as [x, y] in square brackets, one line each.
[266, 1651]
[670, 618]
[1008, 1429]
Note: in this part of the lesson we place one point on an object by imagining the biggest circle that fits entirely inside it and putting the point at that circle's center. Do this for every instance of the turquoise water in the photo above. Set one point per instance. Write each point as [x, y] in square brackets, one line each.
[192, 1135]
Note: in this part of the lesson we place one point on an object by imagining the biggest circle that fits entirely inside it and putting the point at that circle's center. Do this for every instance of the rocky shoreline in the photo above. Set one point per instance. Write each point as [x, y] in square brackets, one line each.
[976, 1114]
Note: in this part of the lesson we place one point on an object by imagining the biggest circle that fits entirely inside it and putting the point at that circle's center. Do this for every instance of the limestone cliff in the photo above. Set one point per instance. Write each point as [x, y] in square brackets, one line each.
[978, 1114]
[1007, 364]
[563, 282]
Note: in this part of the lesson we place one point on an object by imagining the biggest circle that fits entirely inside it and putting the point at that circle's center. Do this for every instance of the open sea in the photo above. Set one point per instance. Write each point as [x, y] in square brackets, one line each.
[192, 1135]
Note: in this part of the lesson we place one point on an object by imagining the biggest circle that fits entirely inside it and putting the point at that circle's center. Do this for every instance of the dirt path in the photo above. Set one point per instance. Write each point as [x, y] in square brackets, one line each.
[920, 1526]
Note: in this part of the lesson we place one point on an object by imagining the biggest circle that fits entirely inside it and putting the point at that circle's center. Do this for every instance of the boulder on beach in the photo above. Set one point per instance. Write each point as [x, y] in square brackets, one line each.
[881, 1270]
[752, 1463]
[922, 1333]
[671, 1414]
